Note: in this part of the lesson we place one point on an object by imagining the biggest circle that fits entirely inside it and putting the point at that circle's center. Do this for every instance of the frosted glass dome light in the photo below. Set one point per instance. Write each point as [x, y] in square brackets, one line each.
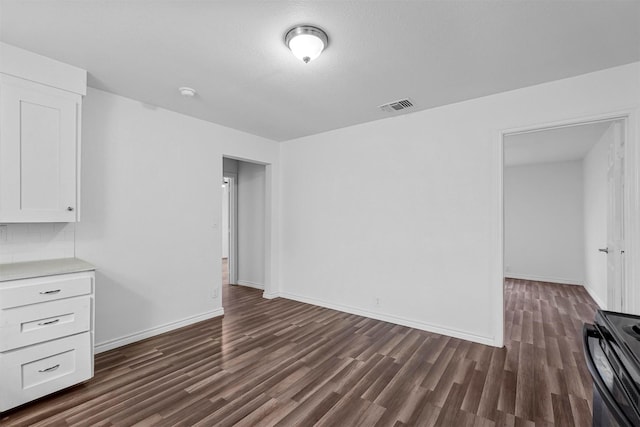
[306, 42]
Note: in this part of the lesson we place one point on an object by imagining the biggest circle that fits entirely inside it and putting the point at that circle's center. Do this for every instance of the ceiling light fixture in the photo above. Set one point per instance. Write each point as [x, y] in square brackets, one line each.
[187, 91]
[306, 42]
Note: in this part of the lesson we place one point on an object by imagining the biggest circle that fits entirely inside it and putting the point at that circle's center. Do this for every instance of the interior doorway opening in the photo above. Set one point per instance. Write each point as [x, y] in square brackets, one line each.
[594, 154]
[243, 224]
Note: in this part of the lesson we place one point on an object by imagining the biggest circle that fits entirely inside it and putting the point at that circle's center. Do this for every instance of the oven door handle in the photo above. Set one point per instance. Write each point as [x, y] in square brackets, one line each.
[590, 331]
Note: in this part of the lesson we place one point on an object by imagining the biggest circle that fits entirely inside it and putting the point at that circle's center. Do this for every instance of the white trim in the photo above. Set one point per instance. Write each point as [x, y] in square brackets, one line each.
[595, 297]
[416, 324]
[271, 228]
[147, 333]
[270, 295]
[250, 284]
[233, 224]
[498, 244]
[78, 160]
[604, 117]
[631, 258]
[548, 279]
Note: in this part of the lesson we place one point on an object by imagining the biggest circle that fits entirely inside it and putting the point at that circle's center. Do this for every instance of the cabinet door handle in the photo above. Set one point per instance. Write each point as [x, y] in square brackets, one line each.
[53, 368]
[55, 291]
[69, 208]
[50, 322]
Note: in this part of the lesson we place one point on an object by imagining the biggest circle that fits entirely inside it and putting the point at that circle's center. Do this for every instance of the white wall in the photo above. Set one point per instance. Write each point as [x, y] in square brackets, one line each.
[251, 209]
[151, 200]
[405, 209]
[595, 166]
[544, 222]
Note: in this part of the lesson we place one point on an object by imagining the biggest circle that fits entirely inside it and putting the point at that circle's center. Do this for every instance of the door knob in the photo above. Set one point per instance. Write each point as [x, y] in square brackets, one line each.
[69, 208]
[605, 250]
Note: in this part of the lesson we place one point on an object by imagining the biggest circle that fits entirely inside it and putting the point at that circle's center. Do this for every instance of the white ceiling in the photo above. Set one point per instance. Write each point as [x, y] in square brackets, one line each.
[232, 52]
[553, 145]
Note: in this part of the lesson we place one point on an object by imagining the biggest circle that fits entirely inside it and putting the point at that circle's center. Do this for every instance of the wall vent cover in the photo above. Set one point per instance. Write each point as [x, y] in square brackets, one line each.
[392, 107]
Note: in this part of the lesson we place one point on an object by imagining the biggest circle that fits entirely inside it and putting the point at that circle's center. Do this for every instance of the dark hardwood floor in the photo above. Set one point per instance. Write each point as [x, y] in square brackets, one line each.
[280, 362]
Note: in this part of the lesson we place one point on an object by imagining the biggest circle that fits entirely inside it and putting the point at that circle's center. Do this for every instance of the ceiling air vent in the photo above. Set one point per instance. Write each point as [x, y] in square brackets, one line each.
[394, 106]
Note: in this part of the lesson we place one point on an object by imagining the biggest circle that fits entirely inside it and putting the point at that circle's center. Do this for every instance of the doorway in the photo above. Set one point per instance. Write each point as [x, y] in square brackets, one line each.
[244, 224]
[606, 193]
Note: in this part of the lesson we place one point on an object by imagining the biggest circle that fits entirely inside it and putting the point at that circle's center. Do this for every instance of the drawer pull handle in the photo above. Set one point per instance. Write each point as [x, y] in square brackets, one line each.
[50, 322]
[53, 368]
[50, 292]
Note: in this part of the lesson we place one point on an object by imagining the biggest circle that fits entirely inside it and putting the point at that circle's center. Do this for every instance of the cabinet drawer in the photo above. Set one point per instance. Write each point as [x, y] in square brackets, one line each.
[16, 293]
[35, 371]
[31, 324]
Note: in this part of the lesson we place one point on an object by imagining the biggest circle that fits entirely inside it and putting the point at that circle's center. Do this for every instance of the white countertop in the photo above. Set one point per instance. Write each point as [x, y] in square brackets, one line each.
[50, 267]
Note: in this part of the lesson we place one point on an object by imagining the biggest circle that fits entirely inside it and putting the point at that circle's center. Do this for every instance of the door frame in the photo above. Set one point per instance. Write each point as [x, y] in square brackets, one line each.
[629, 119]
[233, 225]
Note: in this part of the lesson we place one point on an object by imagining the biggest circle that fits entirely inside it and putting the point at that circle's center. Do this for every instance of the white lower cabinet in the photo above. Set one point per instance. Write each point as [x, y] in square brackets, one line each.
[31, 324]
[46, 342]
[17, 293]
[37, 370]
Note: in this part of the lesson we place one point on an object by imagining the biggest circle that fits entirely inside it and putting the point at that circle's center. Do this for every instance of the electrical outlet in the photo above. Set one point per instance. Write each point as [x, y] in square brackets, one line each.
[3, 232]
[377, 301]
[215, 293]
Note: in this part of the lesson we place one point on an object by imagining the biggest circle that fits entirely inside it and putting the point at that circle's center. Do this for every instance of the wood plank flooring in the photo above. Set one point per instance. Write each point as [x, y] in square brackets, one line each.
[284, 363]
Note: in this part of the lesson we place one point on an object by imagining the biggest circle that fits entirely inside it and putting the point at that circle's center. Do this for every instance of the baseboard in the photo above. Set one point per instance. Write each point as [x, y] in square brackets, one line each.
[595, 297]
[416, 324]
[270, 295]
[549, 279]
[138, 336]
[250, 284]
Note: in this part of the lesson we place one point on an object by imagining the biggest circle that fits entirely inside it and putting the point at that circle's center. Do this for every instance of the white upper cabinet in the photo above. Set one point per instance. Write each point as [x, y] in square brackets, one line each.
[38, 146]
[39, 137]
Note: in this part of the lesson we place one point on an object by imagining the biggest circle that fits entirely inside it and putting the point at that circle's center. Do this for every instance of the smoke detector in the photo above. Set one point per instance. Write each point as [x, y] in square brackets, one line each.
[187, 92]
[399, 105]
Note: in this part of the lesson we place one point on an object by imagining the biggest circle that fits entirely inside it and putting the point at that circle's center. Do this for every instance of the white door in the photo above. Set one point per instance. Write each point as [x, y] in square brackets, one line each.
[615, 222]
[38, 142]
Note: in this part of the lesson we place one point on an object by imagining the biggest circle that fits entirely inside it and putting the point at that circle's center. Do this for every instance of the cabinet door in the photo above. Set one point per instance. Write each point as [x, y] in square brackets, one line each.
[38, 150]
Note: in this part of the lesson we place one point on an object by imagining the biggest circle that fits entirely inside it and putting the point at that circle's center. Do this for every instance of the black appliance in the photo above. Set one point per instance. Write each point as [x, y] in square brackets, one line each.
[612, 351]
